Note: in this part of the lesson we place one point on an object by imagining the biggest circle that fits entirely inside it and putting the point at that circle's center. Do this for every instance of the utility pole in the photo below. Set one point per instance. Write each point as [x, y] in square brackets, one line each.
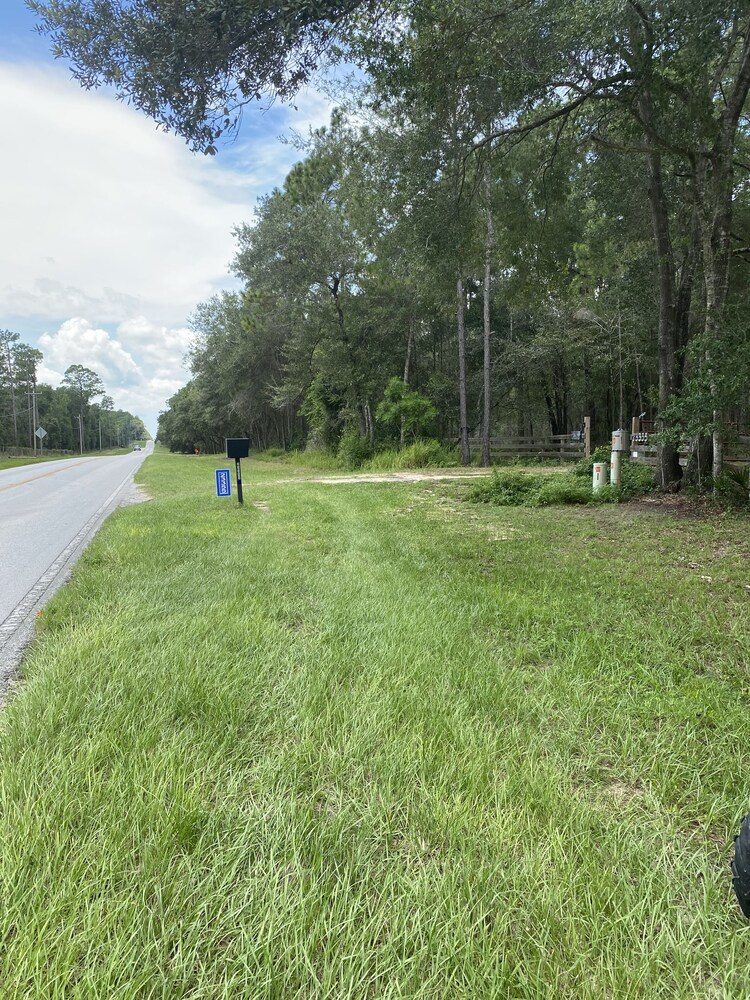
[34, 411]
[80, 432]
[30, 411]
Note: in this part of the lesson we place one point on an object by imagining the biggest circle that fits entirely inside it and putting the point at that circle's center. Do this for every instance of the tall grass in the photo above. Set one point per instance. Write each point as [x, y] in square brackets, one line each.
[366, 741]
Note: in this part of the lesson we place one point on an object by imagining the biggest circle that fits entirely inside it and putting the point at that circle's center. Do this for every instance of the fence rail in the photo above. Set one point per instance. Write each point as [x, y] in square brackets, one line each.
[559, 446]
[645, 454]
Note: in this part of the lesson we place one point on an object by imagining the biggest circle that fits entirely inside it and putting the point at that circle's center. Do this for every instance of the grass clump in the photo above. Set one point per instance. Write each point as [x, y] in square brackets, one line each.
[418, 455]
[510, 489]
[505, 489]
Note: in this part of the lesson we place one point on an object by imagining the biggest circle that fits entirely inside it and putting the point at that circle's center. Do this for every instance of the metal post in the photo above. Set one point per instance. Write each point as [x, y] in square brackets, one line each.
[238, 474]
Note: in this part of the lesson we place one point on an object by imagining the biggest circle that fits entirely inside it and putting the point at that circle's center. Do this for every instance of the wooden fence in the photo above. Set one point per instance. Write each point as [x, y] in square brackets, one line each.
[643, 447]
[563, 447]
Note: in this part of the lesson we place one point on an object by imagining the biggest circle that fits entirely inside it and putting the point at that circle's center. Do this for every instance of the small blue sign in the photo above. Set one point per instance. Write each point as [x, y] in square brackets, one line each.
[223, 483]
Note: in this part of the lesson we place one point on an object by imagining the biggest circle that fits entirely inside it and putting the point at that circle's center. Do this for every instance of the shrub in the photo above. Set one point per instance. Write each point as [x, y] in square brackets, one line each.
[637, 480]
[383, 461]
[419, 455]
[506, 489]
[353, 450]
[731, 487]
[404, 408]
[563, 490]
[585, 466]
[519, 489]
[423, 453]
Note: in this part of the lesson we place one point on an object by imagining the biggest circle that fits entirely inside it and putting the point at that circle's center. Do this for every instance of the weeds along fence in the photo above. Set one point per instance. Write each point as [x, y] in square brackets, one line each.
[563, 447]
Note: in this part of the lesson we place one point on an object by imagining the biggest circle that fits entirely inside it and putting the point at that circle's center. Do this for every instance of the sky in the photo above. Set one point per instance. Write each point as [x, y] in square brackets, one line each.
[112, 231]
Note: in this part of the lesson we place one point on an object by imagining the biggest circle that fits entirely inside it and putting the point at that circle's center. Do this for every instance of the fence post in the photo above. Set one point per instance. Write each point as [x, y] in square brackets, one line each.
[587, 436]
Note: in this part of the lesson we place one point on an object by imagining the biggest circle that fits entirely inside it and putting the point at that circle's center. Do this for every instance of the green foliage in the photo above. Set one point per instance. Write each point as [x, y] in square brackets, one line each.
[321, 408]
[419, 455]
[585, 466]
[637, 480]
[506, 489]
[562, 490]
[192, 69]
[732, 487]
[353, 449]
[518, 488]
[404, 408]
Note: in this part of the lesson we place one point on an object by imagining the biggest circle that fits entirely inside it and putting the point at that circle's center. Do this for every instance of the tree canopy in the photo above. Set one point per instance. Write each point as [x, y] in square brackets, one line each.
[192, 66]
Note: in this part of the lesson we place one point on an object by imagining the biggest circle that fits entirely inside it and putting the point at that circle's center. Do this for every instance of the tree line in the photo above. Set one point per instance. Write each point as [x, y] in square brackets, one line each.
[527, 212]
[77, 416]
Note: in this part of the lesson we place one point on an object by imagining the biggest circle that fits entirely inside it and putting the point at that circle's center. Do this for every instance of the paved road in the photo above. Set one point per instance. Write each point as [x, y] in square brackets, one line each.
[48, 514]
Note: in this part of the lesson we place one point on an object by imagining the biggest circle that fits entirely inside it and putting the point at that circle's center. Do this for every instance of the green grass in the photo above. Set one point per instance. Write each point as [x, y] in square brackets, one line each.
[368, 740]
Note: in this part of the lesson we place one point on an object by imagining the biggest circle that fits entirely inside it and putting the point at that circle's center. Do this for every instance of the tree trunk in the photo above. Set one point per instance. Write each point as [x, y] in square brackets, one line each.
[463, 430]
[488, 245]
[409, 344]
[668, 470]
[714, 187]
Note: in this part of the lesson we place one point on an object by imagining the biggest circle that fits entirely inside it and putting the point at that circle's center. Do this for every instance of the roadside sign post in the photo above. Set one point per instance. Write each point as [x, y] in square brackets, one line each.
[238, 477]
[41, 434]
[223, 483]
[237, 448]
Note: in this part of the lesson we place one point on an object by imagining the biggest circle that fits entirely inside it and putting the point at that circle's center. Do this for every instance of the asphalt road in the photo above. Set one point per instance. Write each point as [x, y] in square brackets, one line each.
[48, 514]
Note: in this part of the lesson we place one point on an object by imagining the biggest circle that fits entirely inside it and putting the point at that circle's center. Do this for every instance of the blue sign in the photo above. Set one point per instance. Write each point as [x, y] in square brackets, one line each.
[223, 483]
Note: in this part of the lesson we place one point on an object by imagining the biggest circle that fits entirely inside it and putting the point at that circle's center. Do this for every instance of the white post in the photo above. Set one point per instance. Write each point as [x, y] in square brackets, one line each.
[601, 474]
[616, 463]
[618, 446]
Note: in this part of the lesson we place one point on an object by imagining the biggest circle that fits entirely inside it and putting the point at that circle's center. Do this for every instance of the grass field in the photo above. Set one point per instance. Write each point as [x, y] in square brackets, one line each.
[370, 741]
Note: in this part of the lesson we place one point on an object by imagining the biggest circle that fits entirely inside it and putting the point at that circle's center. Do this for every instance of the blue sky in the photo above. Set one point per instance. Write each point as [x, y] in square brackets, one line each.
[111, 232]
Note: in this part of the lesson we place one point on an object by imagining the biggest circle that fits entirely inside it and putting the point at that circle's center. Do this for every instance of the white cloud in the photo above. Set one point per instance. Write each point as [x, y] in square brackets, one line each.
[77, 339]
[112, 231]
[141, 365]
[105, 216]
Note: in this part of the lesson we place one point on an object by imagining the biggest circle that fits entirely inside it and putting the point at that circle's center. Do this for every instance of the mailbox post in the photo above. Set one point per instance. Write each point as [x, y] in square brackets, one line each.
[237, 448]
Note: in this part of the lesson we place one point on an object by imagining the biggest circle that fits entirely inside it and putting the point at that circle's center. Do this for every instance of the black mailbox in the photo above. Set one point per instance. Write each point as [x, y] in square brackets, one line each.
[237, 447]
